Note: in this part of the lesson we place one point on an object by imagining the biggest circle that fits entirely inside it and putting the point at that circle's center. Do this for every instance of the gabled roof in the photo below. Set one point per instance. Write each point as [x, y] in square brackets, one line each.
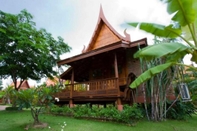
[104, 34]
[105, 38]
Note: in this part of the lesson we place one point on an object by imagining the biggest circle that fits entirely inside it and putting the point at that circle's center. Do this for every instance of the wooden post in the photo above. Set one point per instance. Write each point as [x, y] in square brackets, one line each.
[119, 104]
[71, 90]
[71, 103]
[115, 66]
[116, 73]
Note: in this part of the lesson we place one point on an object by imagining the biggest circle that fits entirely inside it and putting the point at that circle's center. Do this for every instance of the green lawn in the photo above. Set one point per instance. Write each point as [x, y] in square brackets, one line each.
[17, 121]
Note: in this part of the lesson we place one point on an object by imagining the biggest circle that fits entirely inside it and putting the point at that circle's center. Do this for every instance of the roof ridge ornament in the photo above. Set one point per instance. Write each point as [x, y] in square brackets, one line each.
[84, 49]
[127, 36]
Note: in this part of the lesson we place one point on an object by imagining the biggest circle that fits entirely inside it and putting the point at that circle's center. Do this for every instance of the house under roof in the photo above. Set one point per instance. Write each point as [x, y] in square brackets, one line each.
[103, 71]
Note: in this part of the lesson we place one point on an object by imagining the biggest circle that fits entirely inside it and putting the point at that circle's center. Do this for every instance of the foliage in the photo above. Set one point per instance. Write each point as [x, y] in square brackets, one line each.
[2, 94]
[9, 95]
[181, 110]
[130, 114]
[26, 52]
[11, 108]
[36, 99]
[109, 113]
[191, 80]
[81, 111]
[184, 26]
[158, 84]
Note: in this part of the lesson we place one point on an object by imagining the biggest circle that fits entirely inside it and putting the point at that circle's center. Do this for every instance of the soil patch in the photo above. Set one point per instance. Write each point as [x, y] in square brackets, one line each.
[40, 125]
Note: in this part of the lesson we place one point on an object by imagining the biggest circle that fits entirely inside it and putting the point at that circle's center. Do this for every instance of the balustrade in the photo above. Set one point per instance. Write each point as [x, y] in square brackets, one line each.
[103, 87]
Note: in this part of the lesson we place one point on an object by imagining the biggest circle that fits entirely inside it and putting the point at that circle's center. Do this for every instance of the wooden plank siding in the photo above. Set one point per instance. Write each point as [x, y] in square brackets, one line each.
[105, 37]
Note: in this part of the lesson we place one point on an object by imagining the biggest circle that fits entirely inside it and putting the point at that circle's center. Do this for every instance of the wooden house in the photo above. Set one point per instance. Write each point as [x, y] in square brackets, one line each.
[102, 72]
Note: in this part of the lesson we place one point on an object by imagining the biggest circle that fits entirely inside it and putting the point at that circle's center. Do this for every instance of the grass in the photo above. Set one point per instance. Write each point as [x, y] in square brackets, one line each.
[17, 121]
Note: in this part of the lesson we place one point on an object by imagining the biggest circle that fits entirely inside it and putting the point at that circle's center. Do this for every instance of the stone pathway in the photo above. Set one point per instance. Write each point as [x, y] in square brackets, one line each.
[2, 107]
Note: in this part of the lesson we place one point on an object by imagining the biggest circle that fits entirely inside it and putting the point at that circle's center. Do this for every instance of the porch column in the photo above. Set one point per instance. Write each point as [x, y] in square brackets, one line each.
[71, 90]
[115, 66]
[119, 103]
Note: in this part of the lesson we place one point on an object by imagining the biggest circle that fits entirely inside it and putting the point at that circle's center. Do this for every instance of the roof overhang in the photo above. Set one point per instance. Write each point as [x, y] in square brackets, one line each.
[120, 44]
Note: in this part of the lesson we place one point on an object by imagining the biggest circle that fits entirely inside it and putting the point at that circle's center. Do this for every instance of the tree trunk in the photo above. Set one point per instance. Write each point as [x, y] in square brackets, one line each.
[35, 114]
[36, 120]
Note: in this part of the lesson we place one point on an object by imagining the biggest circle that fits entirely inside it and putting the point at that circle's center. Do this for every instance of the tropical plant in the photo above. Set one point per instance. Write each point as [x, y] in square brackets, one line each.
[181, 110]
[36, 99]
[130, 114]
[184, 26]
[9, 95]
[156, 89]
[25, 51]
[191, 80]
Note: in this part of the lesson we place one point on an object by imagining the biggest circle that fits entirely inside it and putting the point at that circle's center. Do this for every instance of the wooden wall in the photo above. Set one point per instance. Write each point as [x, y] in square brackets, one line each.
[105, 37]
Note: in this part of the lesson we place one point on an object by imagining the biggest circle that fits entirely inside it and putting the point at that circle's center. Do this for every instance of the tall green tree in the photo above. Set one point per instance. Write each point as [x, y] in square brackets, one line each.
[26, 52]
[185, 22]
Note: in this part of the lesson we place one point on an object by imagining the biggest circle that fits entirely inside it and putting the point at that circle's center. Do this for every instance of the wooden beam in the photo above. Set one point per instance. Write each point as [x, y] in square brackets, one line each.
[120, 44]
[72, 84]
[71, 90]
[116, 73]
[115, 65]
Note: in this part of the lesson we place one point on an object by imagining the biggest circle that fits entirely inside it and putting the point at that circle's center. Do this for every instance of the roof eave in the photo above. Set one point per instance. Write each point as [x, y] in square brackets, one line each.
[120, 44]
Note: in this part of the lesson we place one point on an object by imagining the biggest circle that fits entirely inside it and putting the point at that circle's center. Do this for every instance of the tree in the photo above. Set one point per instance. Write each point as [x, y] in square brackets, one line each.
[9, 95]
[157, 88]
[26, 52]
[36, 99]
[183, 25]
[185, 19]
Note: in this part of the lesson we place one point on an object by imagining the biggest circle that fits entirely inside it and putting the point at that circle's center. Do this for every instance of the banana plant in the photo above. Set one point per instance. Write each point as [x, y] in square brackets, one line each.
[185, 21]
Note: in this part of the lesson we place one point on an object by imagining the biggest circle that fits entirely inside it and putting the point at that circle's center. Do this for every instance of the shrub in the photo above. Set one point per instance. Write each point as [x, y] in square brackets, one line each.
[56, 109]
[82, 111]
[108, 113]
[11, 108]
[129, 115]
[67, 111]
[181, 110]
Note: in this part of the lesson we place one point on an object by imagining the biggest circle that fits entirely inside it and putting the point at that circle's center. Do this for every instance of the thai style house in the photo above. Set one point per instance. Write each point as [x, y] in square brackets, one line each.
[101, 74]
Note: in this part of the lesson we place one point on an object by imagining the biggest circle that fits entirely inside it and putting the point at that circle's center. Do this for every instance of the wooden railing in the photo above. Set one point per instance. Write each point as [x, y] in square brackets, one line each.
[104, 87]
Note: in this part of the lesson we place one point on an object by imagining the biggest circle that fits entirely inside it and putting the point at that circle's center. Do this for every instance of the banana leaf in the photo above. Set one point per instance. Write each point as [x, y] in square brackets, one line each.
[184, 11]
[150, 73]
[163, 49]
[186, 31]
[158, 30]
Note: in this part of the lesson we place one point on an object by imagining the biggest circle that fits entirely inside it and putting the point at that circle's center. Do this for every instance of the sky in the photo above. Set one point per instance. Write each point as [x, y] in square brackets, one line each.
[75, 20]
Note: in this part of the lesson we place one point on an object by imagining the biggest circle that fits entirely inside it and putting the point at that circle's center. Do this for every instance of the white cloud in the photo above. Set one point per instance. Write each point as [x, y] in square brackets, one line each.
[75, 20]
[116, 12]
